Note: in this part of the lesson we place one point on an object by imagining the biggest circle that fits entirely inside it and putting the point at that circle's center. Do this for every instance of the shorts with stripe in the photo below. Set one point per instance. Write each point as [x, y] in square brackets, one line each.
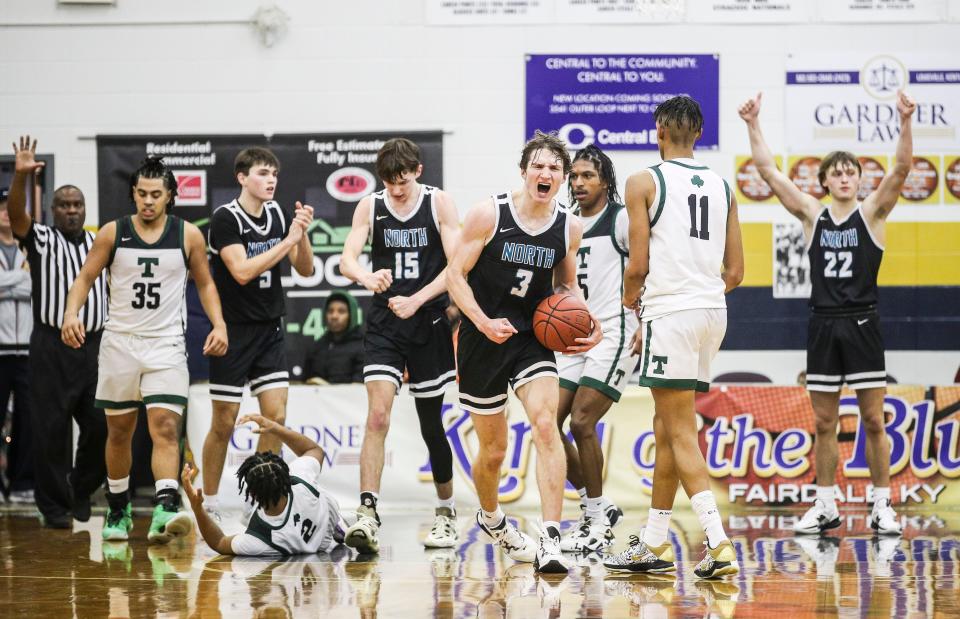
[135, 370]
[607, 366]
[679, 347]
[422, 345]
[487, 369]
[845, 348]
[257, 355]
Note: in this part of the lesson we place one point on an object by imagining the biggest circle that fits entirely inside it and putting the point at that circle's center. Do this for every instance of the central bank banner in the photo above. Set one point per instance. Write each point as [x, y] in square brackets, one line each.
[757, 442]
[329, 171]
[609, 99]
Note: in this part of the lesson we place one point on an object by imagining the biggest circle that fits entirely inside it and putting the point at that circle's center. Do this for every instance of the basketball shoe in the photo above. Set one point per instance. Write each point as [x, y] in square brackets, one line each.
[512, 541]
[817, 519]
[590, 536]
[719, 561]
[638, 557]
[362, 535]
[883, 520]
[443, 534]
[118, 524]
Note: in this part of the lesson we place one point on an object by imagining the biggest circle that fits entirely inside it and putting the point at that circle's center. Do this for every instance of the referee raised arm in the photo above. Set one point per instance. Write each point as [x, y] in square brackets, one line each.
[64, 380]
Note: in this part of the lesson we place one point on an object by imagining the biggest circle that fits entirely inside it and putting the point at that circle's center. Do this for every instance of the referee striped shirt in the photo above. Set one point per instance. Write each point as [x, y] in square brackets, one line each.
[55, 261]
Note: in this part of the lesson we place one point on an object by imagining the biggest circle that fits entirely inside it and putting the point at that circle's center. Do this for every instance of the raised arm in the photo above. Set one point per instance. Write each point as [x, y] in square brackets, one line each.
[299, 444]
[638, 196]
[803, 206]
[72, 331]
[449, 223]
[733, 251]
[350, 258]
[301, 254]
[25, 167]
[477, 228]
[880, 203]
[216, 343]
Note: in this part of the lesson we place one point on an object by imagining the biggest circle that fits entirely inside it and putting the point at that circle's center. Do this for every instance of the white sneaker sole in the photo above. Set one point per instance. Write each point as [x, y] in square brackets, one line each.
[178, 526]
[440, 543]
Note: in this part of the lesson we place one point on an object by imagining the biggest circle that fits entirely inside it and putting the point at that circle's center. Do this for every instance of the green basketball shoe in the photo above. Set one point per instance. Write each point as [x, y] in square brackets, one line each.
[168, 524]
[118, 524]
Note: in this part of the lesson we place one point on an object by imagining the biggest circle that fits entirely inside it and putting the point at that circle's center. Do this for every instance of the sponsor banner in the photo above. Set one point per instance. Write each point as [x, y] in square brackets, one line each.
[951, 179]
[873, 169]
[329, 171]
[791, 264]
[749, 11]
[757, 441]
[749, 186]
[850, 103]
[803, 171]
[865, 11]
[923, 183]
[609, 99]
[483, 12]
[618, 11]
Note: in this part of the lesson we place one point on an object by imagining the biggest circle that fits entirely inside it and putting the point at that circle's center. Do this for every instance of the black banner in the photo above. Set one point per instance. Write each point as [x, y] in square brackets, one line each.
[329, 171]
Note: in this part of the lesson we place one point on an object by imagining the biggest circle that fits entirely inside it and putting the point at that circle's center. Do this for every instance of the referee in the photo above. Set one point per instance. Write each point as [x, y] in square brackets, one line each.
[63, 379]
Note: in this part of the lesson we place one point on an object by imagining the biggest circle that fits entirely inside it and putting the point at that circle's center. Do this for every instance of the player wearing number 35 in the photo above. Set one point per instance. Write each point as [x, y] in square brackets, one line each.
[845, 243]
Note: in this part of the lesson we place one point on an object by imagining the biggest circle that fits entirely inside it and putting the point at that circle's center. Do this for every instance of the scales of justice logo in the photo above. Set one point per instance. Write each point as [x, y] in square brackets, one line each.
[883, 76]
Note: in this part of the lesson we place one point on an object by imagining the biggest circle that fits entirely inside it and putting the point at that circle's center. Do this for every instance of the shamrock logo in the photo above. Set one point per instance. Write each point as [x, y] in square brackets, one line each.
[696, 180]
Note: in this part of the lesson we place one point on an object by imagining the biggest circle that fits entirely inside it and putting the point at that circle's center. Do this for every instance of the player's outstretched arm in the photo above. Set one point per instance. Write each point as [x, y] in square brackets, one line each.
[301, 254]
[565, 278]
[449, 222]
[216, 342]
[638, 196]
[350, 265]
[72, 331]
[733, 251]
[299, 444]
[25, 167]
[803, 206]
[234, 254]
[478, 227]
[209, 529]
[880, 203]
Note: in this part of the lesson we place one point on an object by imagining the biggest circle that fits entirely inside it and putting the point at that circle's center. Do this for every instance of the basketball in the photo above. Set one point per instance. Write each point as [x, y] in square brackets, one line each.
[559, 320]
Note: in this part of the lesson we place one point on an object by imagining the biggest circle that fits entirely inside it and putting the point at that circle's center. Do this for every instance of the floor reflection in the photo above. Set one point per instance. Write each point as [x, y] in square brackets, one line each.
[851, 573]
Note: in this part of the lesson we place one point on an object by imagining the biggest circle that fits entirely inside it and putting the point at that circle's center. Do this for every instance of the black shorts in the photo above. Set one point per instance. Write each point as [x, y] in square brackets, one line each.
[256, 354]
[847, 349]
[422, 345]
[486, 368]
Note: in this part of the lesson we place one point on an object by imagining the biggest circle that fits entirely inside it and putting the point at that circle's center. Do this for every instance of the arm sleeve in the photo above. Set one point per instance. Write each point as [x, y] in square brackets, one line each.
[224, 230]
[248, 545]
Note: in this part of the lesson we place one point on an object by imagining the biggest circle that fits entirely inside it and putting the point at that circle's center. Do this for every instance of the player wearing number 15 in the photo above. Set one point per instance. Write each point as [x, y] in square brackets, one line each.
[845, 244]
[143, 357]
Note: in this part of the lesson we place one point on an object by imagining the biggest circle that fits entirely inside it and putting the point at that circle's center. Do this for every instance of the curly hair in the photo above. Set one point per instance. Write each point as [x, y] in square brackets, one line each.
[266, 478]
[153, 167]
[604, 166]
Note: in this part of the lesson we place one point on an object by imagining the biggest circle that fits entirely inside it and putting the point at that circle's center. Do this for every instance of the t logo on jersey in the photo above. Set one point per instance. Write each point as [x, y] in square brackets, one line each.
[660, 361]
[148, 264]
[696, 180]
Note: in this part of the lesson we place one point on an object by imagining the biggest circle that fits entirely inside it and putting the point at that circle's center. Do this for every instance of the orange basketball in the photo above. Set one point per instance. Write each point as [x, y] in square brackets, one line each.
[560, 319]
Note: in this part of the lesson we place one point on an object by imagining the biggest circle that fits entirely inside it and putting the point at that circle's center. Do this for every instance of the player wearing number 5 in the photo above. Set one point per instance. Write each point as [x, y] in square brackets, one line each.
[249, 237]
[411, 229]
[845, 244]
[143, 357]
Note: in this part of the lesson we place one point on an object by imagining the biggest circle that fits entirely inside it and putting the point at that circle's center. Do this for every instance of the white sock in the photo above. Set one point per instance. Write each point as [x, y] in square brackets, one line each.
[658, 527]
[494, 518]
[166, 484]
[583, 496]
[211, 503]
[880, 494]
[550, 524]
[594, 508]
[117, 486]
[708, 514]
[827, 496]
[448, 503]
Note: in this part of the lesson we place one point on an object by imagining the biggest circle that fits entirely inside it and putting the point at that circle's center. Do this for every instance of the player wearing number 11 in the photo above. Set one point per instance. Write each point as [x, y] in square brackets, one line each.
[845, 243]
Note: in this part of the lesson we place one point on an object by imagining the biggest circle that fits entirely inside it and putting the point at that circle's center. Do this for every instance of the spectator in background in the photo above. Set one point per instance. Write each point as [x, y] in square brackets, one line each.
[16, 323]
[337, 357]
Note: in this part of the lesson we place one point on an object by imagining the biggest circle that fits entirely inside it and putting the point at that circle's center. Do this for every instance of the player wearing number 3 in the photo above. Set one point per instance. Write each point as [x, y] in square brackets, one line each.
[845, 243]
[411, 229]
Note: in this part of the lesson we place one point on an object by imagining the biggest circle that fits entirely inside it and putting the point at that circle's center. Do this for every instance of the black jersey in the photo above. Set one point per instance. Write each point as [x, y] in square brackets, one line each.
[410, 247]
[844, 262]
[515, 269]
[261, 299]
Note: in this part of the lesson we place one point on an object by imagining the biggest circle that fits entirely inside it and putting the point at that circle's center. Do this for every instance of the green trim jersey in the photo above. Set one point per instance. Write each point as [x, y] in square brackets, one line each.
[688, 237]
[310, 523]
[602, 259]
[148, 281]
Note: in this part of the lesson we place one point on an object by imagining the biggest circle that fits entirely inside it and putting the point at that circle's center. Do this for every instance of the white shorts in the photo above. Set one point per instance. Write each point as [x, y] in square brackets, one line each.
[607, 366]
[148, 370]
[678, 348]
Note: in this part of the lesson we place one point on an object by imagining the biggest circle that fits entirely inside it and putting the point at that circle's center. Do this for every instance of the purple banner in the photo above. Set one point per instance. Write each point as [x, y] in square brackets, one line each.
[935, 77]
[609, 99]
[801, 78]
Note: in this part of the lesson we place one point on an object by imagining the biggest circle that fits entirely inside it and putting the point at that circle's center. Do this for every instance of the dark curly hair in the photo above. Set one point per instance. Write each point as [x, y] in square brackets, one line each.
[153, 167]
[682, 116]
[604, 168]
[266, 478]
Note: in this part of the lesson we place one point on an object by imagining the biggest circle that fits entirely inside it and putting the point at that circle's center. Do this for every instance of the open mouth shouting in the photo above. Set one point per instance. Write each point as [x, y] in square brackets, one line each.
[543, 188]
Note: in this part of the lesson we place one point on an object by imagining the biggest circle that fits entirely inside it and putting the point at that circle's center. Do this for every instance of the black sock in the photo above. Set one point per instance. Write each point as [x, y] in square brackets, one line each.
[169, 498]
[368, 499]
[430, 413]
[117, 501]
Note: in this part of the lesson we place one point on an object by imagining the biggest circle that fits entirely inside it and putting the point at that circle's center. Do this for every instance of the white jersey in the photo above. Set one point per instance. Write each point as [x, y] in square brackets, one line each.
[688, 236]
[309, 523]
[601, 260]
[148, 281]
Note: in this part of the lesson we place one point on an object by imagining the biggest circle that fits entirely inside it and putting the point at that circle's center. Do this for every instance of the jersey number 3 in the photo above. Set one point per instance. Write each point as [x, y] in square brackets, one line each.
[523, 282]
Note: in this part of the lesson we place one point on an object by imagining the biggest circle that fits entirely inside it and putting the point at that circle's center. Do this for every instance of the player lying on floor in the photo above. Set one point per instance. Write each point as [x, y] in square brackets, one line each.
[294, 514]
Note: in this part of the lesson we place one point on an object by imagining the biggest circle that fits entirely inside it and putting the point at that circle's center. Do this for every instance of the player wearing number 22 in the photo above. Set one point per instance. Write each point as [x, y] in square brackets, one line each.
[515, 247]
[845, 243]
[143, 357]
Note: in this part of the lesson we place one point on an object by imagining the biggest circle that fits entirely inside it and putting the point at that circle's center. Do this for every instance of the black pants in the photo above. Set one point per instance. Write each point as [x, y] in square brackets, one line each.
[63, 385]
[14, 379]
